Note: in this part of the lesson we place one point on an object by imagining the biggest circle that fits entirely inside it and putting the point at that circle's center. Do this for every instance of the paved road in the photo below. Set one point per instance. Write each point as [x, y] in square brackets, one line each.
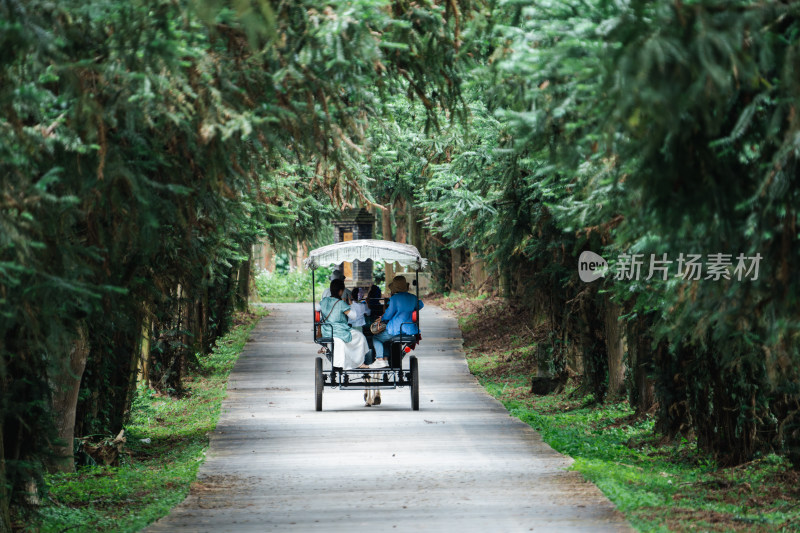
[460, 463]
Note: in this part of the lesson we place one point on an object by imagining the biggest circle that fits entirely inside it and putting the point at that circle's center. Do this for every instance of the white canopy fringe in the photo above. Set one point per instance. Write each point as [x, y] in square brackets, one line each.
[364, 249]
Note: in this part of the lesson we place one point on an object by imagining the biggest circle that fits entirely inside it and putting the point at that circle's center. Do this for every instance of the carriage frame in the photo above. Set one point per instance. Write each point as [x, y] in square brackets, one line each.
[395, 375]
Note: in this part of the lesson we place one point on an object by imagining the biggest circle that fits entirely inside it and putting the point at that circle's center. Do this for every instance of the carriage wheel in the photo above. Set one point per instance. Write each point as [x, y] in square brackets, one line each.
[318, 383]
[414, 371]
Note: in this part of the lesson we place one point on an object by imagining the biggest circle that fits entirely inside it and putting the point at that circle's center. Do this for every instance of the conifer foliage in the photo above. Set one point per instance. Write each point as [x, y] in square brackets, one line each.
[145, 146]
[638, 130]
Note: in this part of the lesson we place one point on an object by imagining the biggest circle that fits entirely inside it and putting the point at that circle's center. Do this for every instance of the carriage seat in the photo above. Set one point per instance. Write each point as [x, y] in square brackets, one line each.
[399, 345]
[407, 338]
[323, 328]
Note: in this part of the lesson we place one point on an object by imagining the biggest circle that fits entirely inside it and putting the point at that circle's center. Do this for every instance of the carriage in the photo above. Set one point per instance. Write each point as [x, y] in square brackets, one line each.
[326, 376]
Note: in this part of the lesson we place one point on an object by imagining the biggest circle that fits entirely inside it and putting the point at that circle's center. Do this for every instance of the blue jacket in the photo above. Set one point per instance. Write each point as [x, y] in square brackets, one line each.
[401, 305]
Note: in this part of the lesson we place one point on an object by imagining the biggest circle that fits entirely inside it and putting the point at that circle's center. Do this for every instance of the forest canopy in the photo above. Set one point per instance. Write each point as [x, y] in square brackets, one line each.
[146, 146]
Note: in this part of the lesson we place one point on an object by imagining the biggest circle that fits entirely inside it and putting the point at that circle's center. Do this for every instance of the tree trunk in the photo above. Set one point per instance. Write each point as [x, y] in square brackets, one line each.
[193, 336]
[400, 220]
[478, 275]
[302, 253]
[505, 281]
[456, 274]
[228, 303]
[144, 360]
[386, 223]
[615, 349]
[269, 258]
[415, 228]
[65, 401]
[388, 269]
[543, 362]
[465, 271]
[592, 345]
[109, 384]
[640, 358]
[5, 497]
[130, 391]
[243, 285]
[674, 417]
[387, 235]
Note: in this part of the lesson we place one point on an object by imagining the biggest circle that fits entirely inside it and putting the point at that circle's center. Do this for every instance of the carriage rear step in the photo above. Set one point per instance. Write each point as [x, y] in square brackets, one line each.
[399, 377]
[378, 386]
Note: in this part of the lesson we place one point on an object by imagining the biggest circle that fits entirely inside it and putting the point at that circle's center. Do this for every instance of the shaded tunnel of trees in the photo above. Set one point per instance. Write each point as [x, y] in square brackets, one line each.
[146, 146]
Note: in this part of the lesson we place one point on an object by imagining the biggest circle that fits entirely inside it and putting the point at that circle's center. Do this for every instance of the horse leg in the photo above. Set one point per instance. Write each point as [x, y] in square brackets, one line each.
[369, 394]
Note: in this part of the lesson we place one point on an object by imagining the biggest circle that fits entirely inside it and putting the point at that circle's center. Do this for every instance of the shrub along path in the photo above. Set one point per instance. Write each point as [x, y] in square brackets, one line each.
[461, 463]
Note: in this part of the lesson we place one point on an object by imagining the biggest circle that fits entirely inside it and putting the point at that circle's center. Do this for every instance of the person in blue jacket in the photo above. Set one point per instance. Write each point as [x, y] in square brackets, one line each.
[397, 317]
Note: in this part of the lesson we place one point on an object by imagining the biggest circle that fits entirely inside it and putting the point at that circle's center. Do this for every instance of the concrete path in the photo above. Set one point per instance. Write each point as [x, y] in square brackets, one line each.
[460, 463]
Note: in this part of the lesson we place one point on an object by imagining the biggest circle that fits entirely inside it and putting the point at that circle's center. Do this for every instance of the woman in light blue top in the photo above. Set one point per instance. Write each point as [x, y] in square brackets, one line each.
[349, 345]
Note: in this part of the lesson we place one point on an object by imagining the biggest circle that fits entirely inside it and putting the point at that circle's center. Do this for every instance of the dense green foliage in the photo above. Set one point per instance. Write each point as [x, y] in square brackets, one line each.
[145, 146]
[638, 128]
[154, 475]
[292, 286]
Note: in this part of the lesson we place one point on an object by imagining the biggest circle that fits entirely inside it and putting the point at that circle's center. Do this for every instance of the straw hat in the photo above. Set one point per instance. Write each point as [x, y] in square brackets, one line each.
[398, 284]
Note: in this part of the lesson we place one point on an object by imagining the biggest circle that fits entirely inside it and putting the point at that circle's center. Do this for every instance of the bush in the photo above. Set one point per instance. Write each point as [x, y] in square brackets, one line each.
[295, 286]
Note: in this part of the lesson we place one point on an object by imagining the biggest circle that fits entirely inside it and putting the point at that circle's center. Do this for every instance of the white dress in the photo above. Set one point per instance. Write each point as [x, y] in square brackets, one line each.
[346, 354]
[350, 354]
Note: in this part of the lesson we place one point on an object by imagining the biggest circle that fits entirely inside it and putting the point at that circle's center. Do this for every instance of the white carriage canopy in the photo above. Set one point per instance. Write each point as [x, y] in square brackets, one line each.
[364, 249]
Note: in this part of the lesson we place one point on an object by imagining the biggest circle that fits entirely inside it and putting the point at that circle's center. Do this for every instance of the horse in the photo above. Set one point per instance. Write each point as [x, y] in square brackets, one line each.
[371, 396]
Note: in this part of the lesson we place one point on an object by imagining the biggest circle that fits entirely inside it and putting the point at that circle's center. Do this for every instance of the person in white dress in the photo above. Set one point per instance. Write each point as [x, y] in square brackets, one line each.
[358, 310]
[349, 345]
[357, 317]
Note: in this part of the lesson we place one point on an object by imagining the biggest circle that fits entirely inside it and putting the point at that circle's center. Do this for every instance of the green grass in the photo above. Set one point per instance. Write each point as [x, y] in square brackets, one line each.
[291, 286]
[648, 480]
[659, 486]
[152, 477]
